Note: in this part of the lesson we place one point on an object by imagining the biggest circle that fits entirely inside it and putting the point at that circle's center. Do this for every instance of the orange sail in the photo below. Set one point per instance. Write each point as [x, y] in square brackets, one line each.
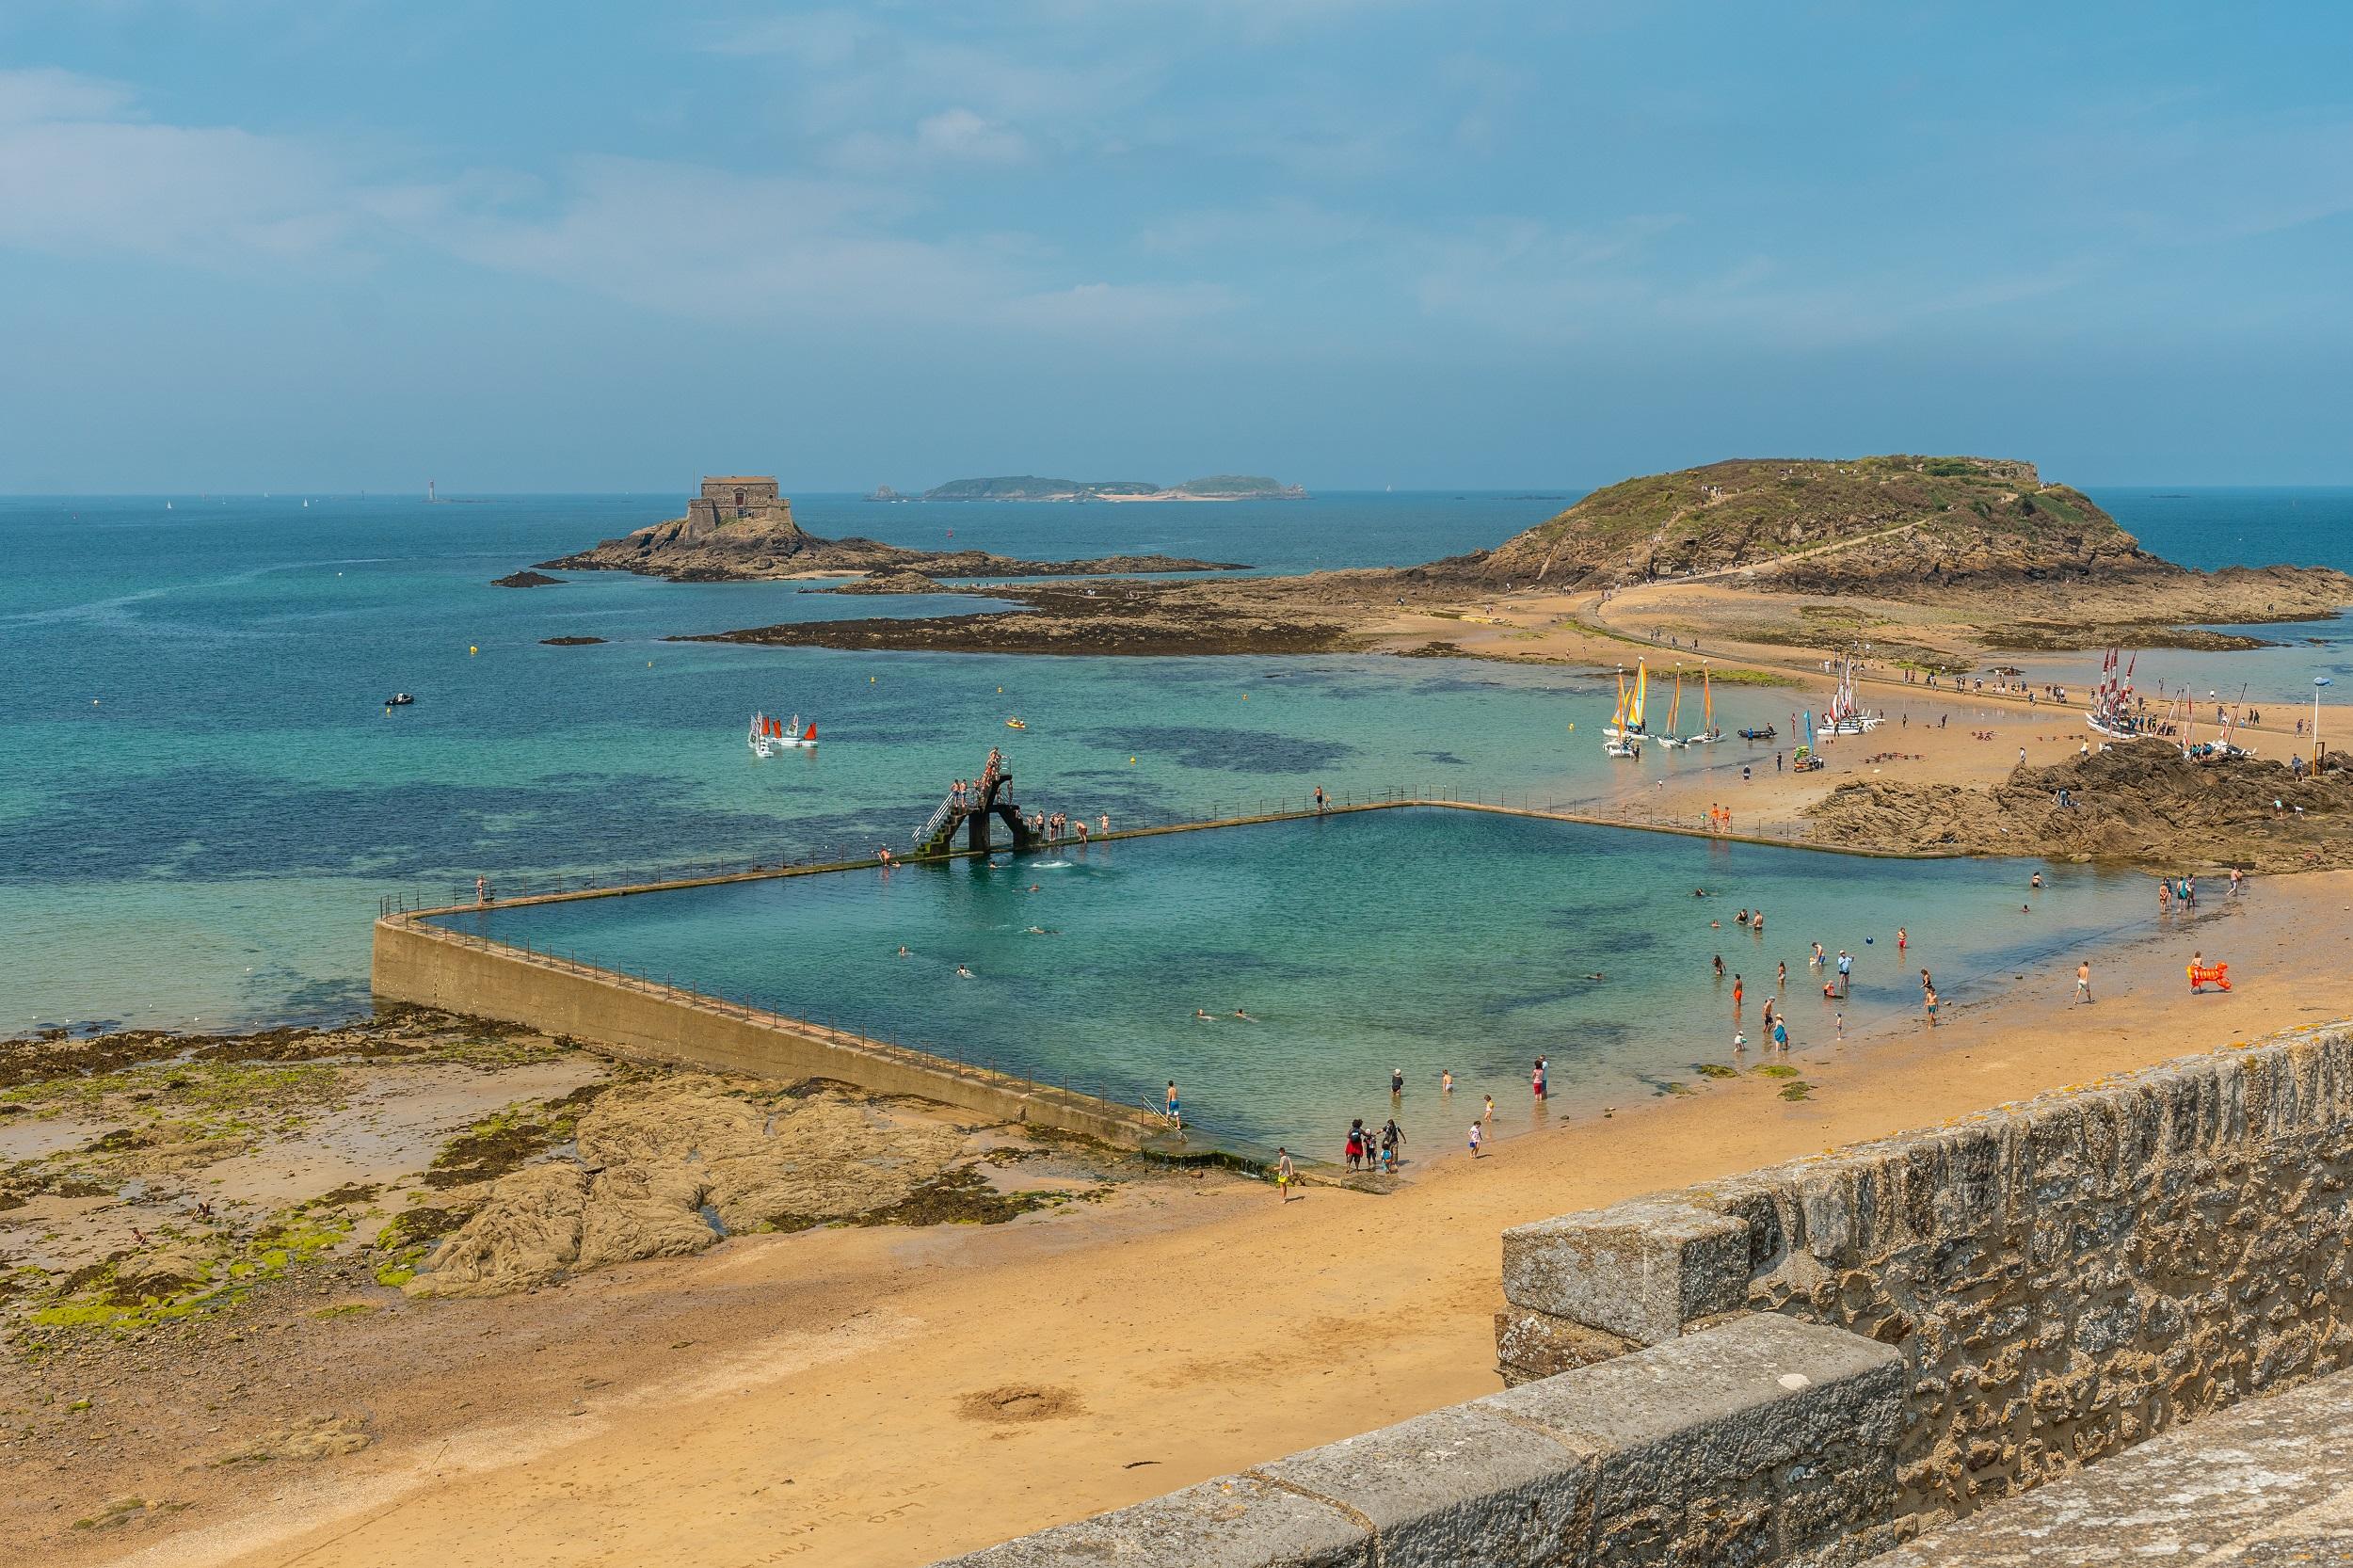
[812, 733]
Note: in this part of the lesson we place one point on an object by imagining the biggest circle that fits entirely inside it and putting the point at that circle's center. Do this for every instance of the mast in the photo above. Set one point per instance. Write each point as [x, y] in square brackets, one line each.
[1675, 708]
[1707, 703]
[1642, 689]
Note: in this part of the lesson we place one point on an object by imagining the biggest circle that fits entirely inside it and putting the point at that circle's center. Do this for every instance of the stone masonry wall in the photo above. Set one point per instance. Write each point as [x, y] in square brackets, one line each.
[2061, 1278]
[1757, 1441]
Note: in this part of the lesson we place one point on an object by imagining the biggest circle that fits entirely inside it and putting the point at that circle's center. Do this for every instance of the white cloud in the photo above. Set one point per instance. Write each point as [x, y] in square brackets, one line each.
[47, 93]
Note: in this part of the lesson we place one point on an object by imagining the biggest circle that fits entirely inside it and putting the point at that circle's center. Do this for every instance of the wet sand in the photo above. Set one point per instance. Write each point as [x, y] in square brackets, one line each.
[882, 1397]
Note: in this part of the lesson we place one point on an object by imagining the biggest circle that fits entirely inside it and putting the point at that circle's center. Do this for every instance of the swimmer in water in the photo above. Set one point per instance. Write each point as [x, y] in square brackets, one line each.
[963, 974]
[1201, 1016]
[903, 950]
[1244, 1016]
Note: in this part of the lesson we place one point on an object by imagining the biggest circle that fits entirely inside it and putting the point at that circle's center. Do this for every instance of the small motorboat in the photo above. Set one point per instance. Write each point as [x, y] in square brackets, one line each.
[1765, 734]
[398, 699]
[1015, 724]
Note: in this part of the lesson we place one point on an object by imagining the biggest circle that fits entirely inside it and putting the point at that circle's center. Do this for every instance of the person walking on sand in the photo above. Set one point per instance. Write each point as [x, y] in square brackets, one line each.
[1929, 1001]
[2083, 983]
[1284, 1175]
[1475, 1127]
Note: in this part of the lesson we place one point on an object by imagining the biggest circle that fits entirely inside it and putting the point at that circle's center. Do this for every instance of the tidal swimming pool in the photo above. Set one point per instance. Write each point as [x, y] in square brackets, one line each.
[1424, 939]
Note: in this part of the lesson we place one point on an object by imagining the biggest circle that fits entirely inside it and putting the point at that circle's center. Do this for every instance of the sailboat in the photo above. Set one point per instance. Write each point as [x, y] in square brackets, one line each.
[1621, 741]
[769, 736]
[1668, 738]
[1628, 724]
[1707, 730]
[2113, 712]
[1846, 716]
[1805, 759]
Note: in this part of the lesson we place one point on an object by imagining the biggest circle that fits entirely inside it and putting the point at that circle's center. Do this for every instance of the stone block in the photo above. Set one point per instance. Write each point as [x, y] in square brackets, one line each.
[1698, 1414]
[1532, 1345]
[1237, 1522]
[1638, 1270]
[1461, 1485]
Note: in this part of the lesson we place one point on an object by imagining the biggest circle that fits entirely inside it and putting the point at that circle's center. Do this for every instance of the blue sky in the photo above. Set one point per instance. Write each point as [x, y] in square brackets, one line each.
[329, 244]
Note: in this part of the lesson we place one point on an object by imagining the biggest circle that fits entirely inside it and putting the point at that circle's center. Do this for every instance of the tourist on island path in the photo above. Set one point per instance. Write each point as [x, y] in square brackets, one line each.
[1320, 802]
[1474, 1139]
[2083, 983]
[1284, 1175]
[1103, 823]
[482, 890]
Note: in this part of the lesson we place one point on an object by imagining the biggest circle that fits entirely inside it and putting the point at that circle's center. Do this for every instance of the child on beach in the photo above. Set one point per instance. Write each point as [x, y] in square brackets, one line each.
[1445, 1081]
[1474, 1139]
[1740, 1041]
[1284, 1175]
[1489, 1114]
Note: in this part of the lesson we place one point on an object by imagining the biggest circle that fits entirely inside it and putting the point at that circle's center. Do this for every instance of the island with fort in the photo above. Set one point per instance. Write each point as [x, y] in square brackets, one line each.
[737, 527]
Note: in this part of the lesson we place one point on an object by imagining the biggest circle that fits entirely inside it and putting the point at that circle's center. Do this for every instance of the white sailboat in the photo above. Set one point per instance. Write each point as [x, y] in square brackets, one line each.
[2114, 713]
[1846, 716]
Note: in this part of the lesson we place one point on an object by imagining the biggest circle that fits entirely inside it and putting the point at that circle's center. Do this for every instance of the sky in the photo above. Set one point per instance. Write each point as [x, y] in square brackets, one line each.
[253, 245]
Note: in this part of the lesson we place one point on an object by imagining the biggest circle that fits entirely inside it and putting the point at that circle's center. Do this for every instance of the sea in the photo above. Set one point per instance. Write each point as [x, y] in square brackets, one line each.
[203, 797]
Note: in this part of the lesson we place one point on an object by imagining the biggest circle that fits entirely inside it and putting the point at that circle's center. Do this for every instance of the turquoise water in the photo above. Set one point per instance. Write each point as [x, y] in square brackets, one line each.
[201, 797]
[1417, 939]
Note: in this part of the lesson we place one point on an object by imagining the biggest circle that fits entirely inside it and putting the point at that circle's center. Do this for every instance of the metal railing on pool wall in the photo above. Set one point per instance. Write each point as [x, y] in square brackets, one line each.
[1609, 811]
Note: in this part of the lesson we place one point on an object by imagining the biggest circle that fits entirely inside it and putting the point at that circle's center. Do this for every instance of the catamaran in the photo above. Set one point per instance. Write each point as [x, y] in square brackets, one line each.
[1622, 740]
[769, 736]
[1668, 738]
[1707, 730]
[1628, 726]
[1846, 716]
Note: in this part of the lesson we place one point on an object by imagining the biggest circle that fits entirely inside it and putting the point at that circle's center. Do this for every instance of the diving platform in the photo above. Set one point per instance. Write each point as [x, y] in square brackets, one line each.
[938, 836]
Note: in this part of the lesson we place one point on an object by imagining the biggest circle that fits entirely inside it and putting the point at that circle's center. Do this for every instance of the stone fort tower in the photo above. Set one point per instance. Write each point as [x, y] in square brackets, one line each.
[730, 496]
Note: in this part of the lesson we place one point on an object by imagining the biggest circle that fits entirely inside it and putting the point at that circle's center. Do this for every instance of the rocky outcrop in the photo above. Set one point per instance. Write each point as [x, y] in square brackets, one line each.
[769, 544]
[2140, 802]
[526, 578]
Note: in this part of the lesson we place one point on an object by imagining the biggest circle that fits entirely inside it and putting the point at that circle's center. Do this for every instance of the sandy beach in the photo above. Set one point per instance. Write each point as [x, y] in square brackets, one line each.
[886, 1395]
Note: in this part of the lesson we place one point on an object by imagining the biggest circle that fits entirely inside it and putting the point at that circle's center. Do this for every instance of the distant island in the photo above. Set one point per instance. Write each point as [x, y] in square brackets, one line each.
[740, 527]
[1030, 486]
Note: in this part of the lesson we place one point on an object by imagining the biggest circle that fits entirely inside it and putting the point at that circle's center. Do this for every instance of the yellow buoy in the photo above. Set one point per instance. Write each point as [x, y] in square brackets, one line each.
[471, 650]
[1132, 761]
[1245, 697]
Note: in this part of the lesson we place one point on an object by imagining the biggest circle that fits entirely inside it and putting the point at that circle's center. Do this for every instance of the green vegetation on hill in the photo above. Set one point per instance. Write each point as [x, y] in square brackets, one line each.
[1884, 521]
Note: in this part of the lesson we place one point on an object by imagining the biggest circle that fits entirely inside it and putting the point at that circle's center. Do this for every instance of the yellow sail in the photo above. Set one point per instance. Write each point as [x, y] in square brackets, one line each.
[1675, 708]
[1642, 689]
[1618, 719]
[1707, 703]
